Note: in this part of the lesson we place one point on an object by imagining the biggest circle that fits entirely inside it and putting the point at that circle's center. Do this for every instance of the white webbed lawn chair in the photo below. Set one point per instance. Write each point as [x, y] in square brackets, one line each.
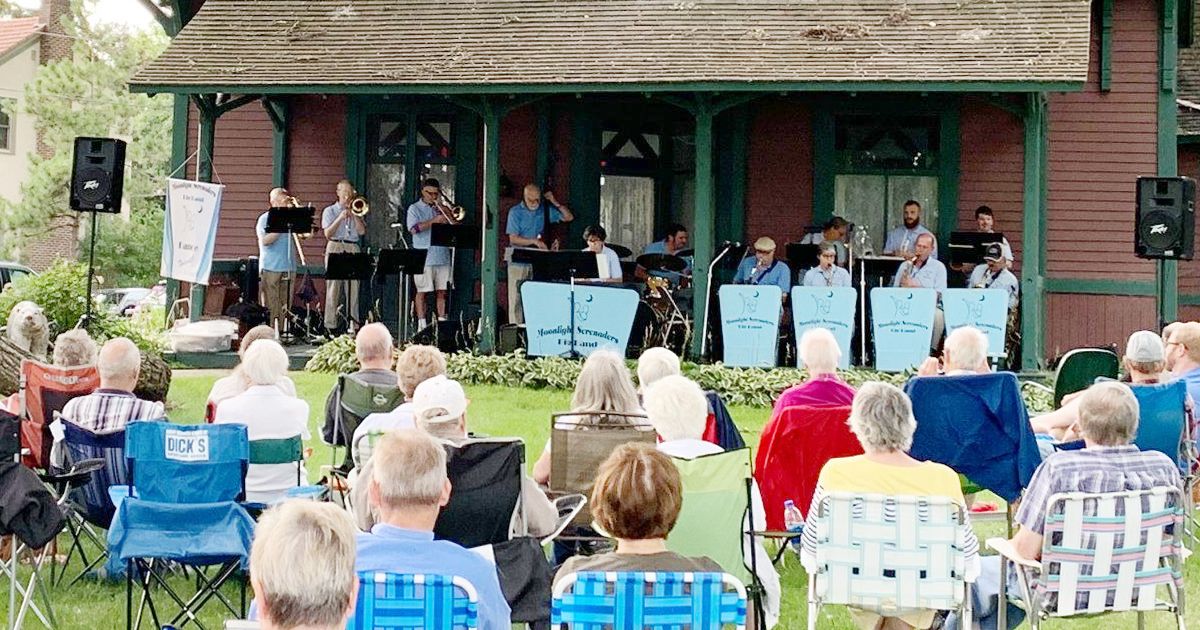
[1112, 552]
[889, 554]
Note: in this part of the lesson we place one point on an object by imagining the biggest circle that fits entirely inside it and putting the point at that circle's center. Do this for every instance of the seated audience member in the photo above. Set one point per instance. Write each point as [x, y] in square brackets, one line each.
[415, 365]
[236, 383]
[820, 354]
[440, 406]
[408, 488]
[1108, 420]
[882, 419]
[677, 408]
[657, 362]
[1166, 335]
[1145, 360]
[373, 349]
[73, 348]
[965, 352]
[302, 567]
[637, 499]
[603, 385]
[654, 364]
[1183, 355]
[113, 405]
[268, 414]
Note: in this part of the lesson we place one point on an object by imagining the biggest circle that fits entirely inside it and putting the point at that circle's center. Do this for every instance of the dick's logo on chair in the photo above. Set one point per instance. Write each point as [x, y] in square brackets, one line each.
[187, 446]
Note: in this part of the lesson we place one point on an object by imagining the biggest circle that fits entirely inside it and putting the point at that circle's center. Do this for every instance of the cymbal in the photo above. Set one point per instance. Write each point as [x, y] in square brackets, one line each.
[621, 250]
[684, 253]
[661, 262]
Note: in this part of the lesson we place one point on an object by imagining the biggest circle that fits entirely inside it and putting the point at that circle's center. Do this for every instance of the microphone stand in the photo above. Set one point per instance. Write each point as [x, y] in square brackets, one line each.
[708, 295]
[402, 294]
[572, 353]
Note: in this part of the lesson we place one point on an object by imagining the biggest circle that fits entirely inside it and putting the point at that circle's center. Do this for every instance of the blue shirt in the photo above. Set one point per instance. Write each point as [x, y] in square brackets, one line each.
[660, 247]
[1004, 280]
[1193, 385]
[904, 238]
[389, 548]
[421, 212]
[777, 274]
[837, 277]
[931, 275]
[528, 223]
[613, 261]
[345, 231]
[278, 255]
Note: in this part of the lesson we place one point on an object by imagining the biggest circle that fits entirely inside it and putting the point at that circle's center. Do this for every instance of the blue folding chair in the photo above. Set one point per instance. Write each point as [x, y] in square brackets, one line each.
[90, 504]
[400, 601]
[1162, 421]
[593, 600]
[184, 486]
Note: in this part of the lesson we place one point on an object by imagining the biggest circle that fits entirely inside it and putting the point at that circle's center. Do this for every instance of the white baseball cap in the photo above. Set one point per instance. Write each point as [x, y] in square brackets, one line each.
[440, 392]
[1145, 347]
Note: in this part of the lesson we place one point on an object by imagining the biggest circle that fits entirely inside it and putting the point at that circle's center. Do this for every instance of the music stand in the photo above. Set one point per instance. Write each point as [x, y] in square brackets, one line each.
[880, 269]
[455, 237]
[291, 221]
[349, 266]
[803, 256]
[969, 247]
[558, 266]
[401, 262]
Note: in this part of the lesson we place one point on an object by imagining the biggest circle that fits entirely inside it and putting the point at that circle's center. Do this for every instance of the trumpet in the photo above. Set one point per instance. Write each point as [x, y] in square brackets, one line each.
[359, 206]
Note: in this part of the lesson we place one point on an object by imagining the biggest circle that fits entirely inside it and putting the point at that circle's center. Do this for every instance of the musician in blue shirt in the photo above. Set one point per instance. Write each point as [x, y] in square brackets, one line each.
[902, 241]
[995, 274]
[827, 274]
[525, 228]
[763, 269]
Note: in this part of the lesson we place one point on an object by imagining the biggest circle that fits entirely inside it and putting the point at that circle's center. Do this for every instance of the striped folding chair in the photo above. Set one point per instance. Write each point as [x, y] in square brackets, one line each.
[892, 555]
[400, 601]
[1112, 552]
[594, 600]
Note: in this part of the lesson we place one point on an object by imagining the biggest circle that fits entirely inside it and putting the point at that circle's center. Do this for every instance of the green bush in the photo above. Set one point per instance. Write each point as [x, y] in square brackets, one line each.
[738, 386]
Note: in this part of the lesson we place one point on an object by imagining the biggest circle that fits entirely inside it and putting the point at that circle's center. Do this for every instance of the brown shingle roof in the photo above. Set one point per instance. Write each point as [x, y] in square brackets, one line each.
[15, 31]
[336, 43]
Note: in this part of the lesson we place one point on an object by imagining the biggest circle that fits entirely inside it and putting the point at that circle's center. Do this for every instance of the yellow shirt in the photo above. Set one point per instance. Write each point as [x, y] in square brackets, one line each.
[860, 475]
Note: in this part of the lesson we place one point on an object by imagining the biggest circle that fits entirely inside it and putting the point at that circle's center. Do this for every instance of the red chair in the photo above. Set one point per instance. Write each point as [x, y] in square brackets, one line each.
[45, 390]
[793, 449]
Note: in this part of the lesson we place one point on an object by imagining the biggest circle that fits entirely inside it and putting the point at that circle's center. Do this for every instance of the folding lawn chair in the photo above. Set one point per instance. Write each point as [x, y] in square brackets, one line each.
[185, 482]
[354, 400]
[889, 554]
[1112, 552]
[89, 504]
[593, 600]
[399, 601]
[1079, 368]
[719, 427]
[45, 390]
[578, 449]
[31, 519]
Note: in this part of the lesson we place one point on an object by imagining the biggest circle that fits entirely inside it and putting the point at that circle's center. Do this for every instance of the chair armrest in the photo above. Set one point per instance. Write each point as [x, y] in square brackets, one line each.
[1004, 547]
[1036, 385]
[567, 506]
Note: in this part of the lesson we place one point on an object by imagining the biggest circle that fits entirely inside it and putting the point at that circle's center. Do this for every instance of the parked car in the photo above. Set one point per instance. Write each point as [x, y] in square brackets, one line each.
[121, 301]
[10, 271]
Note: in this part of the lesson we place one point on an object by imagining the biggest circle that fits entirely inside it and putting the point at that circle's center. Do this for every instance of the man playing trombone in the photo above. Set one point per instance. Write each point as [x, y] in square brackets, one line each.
[422, 216]
[343, 229]
[276, 260]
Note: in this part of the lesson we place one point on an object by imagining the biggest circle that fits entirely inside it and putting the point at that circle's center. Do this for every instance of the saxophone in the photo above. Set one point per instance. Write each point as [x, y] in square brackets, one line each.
[907, 269]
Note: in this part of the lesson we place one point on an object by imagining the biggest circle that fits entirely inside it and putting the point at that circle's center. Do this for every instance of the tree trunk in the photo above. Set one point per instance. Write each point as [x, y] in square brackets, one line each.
[153, 383]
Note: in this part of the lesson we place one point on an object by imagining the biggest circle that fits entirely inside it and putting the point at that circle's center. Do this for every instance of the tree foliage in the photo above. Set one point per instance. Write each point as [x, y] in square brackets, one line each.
[8, 9]
[86, 95]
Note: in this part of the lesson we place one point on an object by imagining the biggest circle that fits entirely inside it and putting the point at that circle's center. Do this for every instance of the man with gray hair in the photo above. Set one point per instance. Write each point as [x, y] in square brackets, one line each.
[407, 490]
[373, 349]
[965, 352]
[113, 405]
[302, 567]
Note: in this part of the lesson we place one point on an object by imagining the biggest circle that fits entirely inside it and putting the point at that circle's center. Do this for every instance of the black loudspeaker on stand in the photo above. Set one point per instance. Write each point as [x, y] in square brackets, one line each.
[97, 184]
[1165, 221]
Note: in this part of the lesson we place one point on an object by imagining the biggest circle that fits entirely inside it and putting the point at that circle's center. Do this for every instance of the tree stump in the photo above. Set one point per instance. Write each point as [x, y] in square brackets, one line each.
[153, 382]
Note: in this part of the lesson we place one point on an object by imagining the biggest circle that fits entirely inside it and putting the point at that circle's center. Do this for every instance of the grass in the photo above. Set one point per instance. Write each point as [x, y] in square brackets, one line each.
[497, 411]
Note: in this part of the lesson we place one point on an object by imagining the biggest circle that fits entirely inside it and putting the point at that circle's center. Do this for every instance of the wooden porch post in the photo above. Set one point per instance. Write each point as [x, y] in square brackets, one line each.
[704, 239]
[1033, 234]
[278, 111]
[1167, 271]
[491, 217]
[206, 104]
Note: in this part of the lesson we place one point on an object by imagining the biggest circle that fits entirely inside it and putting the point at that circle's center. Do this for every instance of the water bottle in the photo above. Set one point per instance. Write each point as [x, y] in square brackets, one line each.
[793, 521]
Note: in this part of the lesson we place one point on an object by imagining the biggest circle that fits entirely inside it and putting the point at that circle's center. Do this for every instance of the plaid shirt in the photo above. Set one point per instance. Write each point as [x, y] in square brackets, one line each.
[109, 410]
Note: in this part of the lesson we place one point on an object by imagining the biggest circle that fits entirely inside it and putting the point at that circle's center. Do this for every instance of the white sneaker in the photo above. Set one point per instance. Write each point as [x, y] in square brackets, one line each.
[422, 324]
[442, 318]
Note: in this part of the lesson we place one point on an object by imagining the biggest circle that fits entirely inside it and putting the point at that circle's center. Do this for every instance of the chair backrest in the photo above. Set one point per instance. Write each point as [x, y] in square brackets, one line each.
[485, 482]
[10, 436]
[716, 497]
[976, 424]
[1079, 368]
[576, 451]
[93, 496]
[1162, 420]
[890, 553]
[172, 463]
[720, 429]
[358, 399]
[1110, 552]
[400, 601]
[791, 452]
[279, 451]
[592, 600]
[46, 389]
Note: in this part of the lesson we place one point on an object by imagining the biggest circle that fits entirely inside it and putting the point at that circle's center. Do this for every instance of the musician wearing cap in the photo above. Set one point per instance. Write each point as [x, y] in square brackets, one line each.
[985, 219]
[995, 275]
[834, 233]
[527, 223]
[924, 271]
[422, 216]
[343, 229]
[763, 269]
[608, 262]
[827, 274]
[276, 262]
[903, 240]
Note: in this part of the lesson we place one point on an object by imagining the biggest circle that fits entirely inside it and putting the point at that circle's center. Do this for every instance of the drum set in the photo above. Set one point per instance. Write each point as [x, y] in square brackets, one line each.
[664, 316]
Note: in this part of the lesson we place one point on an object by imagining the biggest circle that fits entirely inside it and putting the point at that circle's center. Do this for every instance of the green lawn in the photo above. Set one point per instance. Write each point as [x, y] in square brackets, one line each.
[497, 411]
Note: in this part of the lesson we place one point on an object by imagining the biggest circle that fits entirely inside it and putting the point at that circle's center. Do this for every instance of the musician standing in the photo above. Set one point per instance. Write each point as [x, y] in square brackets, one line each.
[343, 231]
[276, 261]
[827, 274]
[763, 269]
[527, 223]
[902, 240]
[925, 271]
[422, 216]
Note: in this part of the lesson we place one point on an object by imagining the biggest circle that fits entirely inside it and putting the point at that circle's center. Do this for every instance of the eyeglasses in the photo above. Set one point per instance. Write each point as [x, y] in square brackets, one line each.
[764, 251]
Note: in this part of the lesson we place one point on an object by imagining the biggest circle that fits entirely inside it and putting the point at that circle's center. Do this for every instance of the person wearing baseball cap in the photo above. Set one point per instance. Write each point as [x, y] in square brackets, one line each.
[440, 409]
[763, 269]
[995, 274]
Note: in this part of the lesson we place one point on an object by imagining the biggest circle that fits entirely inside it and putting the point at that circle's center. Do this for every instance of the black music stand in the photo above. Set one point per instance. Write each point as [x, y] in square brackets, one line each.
[456, 236]
[559, 266]
[803, 256]
[400, 262]
[969, 247]
[291, 221]
[350, 266]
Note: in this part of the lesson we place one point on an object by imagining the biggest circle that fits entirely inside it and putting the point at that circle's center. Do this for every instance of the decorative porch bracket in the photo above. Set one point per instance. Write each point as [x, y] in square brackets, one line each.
[1034, 232]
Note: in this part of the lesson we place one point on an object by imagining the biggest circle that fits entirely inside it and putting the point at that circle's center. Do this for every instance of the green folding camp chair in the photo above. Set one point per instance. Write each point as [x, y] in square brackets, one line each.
[355, 401]
[1079, 368]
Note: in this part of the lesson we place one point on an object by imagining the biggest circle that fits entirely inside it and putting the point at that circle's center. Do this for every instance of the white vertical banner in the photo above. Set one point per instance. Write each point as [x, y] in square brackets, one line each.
[190, 230]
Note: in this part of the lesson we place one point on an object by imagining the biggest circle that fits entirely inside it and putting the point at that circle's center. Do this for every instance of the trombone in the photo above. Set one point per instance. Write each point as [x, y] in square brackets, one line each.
[359, 206]
[293, 202]
[453, 212]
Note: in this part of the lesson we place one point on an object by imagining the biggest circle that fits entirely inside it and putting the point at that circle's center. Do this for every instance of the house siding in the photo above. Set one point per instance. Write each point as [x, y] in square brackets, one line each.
[779, 170]
[992, 170]
[1081, 320]
[1189, 270]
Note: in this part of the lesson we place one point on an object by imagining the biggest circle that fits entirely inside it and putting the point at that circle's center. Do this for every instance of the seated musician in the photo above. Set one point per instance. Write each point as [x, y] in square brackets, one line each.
[833, 232]
[924, 271]
[610, 269]
[827, 274]
[902, 240]
[675, 241]
[763, 269]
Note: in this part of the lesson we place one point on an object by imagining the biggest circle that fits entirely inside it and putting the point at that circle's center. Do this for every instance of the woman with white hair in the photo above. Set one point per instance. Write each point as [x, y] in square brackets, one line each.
[654, 364]
[882, 419]
[236, 383]
[819, 353]
[678, 410]
[268, 414]
[604, 385]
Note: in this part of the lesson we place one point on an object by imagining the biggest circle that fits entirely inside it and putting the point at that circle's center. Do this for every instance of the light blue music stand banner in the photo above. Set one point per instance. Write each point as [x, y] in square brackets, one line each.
[902, 322]
[750, 324]
[832, 308]
[985, 309]
[603, 318]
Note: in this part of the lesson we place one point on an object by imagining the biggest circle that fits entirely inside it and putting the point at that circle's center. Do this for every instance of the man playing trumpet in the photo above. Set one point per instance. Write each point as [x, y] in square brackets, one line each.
[422, 216]
[343, 229]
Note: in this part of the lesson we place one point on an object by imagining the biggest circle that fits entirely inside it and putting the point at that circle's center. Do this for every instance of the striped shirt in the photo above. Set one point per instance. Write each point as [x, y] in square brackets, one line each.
[109, 410]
